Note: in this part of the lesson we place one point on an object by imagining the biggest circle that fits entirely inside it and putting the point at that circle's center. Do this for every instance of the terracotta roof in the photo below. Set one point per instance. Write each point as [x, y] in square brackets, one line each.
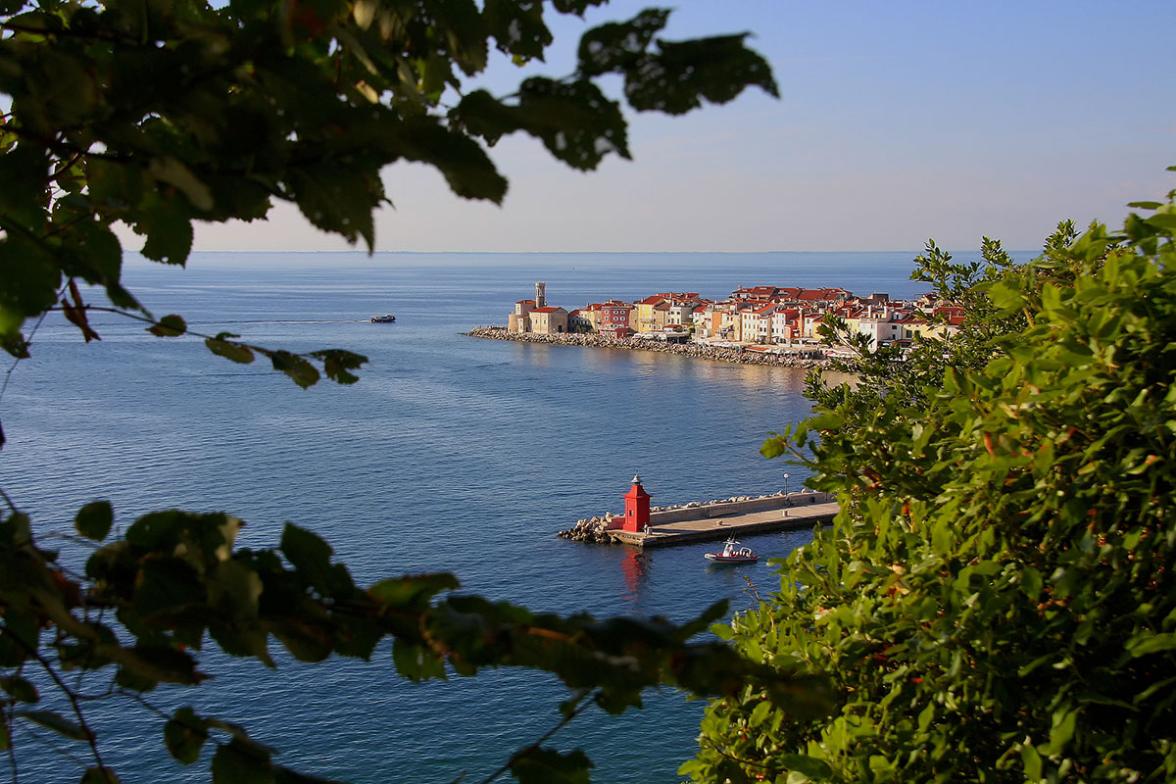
[651, 300]
[525, 302]
[548, 309]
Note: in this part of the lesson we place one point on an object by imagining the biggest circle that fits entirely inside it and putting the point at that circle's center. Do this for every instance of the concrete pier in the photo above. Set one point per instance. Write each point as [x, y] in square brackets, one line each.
[699, 529]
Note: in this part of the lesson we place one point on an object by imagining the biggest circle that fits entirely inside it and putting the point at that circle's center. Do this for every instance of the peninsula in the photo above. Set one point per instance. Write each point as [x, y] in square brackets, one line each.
[765, 325]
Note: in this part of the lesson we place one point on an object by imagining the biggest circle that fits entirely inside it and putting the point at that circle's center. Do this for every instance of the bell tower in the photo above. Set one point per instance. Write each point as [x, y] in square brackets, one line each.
[540, 294]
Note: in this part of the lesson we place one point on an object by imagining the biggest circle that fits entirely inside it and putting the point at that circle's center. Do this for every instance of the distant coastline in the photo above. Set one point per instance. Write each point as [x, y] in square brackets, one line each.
[808, 357]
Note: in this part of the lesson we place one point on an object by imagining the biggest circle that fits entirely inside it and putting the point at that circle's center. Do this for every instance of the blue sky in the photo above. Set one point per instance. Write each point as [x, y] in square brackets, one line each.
[897, 122]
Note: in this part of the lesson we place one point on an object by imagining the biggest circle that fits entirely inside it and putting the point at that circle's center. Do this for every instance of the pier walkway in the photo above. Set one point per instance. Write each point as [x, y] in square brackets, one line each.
[704, 528]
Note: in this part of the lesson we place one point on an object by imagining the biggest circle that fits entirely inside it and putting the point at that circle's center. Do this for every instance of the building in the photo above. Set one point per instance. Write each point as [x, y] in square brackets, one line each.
[549, 320]
[615, 318]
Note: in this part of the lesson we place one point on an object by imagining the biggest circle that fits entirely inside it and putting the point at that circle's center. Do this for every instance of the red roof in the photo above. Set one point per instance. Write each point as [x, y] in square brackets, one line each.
[766, 309]
[525, 302]
[700, 309]
[548, 309]
[651, 300]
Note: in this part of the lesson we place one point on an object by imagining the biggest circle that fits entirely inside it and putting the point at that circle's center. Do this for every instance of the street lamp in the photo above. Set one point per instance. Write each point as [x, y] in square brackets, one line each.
[787, 500]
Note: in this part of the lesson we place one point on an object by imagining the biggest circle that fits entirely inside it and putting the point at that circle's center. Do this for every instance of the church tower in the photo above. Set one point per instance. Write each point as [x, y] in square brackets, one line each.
[540, 294]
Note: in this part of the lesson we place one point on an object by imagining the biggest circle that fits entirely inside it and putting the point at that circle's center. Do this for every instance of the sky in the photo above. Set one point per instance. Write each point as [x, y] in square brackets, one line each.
[897, 122]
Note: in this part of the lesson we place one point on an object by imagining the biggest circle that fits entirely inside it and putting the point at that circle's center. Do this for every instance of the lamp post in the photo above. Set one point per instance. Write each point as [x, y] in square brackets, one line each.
[787, 500]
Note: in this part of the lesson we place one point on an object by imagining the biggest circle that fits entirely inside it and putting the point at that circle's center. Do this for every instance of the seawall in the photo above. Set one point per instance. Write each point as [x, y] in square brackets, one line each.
[597, 529]
[802, 358]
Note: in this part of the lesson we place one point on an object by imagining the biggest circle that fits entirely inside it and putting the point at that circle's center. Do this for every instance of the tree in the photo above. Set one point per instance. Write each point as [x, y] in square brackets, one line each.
[995, 601]
[156, 114]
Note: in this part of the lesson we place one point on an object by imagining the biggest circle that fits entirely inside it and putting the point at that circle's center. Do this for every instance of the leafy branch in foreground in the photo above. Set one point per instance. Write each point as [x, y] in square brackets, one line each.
[996, 601]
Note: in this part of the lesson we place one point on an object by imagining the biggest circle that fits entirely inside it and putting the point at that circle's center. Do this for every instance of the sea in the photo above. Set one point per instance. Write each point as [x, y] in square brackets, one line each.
[451, 453]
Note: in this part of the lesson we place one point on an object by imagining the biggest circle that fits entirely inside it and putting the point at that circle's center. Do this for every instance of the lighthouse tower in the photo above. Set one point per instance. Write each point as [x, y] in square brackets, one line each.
[540, 295]
[636, 507]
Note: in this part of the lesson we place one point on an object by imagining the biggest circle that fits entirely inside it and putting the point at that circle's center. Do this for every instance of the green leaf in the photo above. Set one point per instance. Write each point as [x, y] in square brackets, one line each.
[1064, 723]
[94, 520]
[184, 735]
[816, 769]
[462, 161]
[414, 591]
[223, 346]
[1163, 220]
[168, 227]
[518, 28]
[339, 199]
[19, 689]
[175, 172]
[102, 775]
[338, 363]
[1147, 643]
[30, 283]
[416, 662]
[1032, 762]
[618, 46]
[170, 326]
[309, 554]
[298, 369]
[679, 77]
[51, 720]
[575, 121]
[548, 766]
[24, 170]
[240, 763]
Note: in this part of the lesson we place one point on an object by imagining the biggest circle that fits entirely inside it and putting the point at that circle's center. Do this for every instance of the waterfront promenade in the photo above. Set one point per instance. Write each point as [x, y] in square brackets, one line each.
[700, 528]
[806, 356]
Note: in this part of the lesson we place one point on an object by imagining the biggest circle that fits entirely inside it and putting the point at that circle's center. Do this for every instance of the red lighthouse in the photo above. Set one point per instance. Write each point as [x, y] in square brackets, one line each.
[636, 507]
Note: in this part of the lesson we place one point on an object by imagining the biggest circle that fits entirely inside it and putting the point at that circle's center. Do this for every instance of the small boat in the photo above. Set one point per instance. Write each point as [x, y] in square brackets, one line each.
[387, 318]
[733, 553]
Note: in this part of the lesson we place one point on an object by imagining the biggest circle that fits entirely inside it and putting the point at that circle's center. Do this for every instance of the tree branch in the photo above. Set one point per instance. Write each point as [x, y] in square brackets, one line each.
[70, 695]
[581, 702]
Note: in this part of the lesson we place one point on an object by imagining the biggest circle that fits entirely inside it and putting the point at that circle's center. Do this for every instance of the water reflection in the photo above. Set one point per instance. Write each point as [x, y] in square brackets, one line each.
[635, 570]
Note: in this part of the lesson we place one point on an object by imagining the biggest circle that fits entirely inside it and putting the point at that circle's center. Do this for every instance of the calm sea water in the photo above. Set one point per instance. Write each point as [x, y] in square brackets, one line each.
[450, 454]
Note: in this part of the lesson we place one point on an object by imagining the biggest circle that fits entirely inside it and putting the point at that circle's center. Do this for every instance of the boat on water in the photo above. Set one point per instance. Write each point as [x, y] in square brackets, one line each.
[733, 553]
[386, 318]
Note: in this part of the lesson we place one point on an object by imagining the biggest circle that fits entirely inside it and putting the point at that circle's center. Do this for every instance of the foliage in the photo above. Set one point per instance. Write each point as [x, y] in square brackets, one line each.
[995, 602]
[158, 113]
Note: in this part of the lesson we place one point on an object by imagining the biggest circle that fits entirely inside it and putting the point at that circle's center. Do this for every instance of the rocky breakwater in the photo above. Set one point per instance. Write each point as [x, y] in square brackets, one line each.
[807, 358]
[594, 529]
[590, 529]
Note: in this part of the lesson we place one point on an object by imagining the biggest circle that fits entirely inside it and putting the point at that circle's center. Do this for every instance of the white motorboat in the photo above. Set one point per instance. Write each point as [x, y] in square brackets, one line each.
[733, 553]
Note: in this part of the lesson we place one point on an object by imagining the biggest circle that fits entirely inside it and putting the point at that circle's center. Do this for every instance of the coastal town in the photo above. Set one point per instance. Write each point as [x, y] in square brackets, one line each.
[763, 324]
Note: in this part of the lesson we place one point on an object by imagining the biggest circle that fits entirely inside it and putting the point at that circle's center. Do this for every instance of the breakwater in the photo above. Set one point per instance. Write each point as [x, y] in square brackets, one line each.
[802, 358]
[596, 529]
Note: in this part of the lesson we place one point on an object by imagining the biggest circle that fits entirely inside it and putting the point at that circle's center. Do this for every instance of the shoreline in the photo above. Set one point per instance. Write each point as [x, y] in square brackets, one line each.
[695, 350]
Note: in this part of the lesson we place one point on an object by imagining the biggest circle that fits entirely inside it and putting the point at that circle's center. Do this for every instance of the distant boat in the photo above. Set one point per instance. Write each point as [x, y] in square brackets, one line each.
[387, 318]
[733, 553]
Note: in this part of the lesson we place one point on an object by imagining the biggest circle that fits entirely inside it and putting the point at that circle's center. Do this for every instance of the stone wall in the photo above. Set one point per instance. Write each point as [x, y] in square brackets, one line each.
[805, 358]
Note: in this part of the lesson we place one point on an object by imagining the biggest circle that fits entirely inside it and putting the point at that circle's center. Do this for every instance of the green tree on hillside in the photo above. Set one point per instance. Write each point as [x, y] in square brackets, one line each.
[159, 113]
[996, 601]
